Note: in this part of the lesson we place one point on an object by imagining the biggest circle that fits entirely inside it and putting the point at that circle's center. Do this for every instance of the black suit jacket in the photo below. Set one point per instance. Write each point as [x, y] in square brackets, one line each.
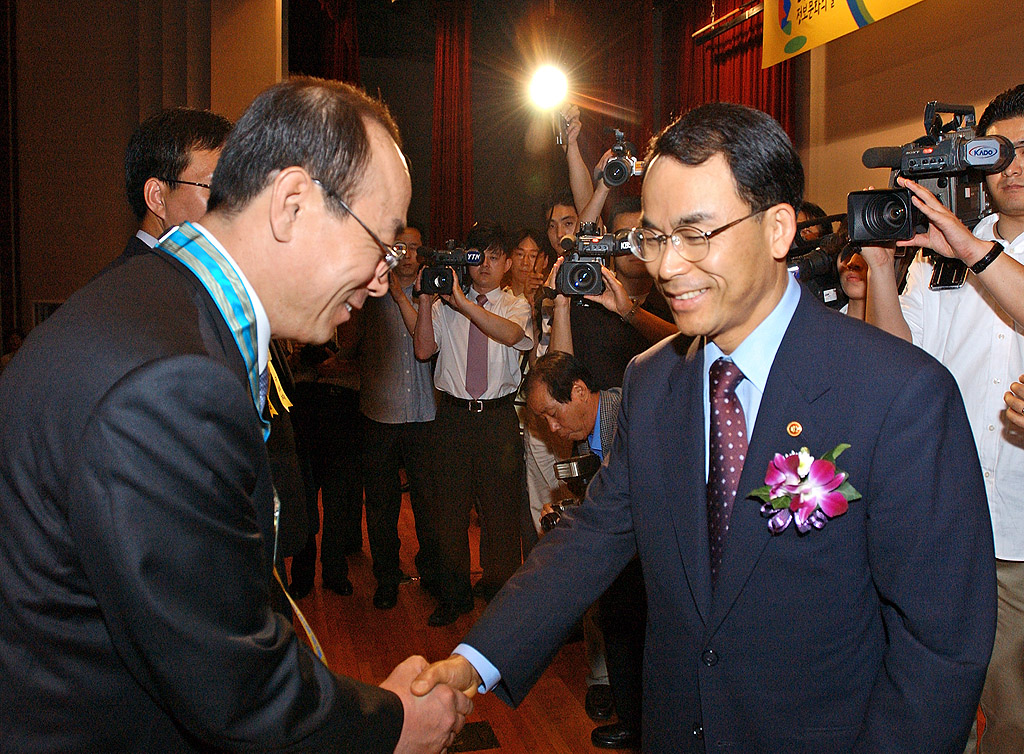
[135, 564]
[870, 635]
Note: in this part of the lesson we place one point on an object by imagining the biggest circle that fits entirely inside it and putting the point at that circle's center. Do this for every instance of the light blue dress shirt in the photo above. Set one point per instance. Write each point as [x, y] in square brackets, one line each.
[754, 356]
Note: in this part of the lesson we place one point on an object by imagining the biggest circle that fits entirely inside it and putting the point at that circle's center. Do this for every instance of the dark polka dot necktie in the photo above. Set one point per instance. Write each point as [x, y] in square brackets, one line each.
[727, 448]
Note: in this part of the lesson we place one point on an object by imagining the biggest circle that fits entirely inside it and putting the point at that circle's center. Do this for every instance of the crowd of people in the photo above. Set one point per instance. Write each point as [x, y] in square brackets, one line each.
[233, 295]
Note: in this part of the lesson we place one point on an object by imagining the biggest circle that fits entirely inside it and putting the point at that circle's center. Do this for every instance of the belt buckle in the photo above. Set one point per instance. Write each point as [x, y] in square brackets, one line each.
[475, 406]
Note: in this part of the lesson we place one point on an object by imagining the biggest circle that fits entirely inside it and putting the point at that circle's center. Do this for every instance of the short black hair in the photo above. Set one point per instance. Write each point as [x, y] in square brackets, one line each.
[558, 371]
[1009, 104]
[764, 165]
[625, 206]
[487, 234]
[312, 123]
[523, 233]
[813, 211]
[559, 197]
[162, 147]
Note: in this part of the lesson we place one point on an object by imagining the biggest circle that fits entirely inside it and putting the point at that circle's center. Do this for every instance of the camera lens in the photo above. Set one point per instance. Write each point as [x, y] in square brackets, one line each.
[582, 278]
[616, 172]
[885, 215]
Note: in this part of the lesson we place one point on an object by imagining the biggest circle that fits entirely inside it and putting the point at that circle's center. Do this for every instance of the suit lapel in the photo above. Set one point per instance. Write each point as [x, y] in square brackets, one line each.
[797, 378]
[681, 438]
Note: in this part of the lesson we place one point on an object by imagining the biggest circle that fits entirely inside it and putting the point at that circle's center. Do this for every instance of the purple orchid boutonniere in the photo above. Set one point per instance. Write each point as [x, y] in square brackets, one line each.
[799, 487]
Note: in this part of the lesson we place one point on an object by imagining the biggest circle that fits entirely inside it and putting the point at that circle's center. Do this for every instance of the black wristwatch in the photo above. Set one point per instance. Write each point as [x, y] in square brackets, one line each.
[982, 264]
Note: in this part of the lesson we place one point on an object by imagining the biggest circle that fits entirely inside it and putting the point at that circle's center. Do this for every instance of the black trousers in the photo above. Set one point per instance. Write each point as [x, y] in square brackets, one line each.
[387, 448]
[328, 418]
[622, 617]
[478, 462]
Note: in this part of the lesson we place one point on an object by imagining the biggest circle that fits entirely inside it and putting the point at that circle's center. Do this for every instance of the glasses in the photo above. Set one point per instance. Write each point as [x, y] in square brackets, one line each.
[189, 183]
[692, 244]
[393, 255]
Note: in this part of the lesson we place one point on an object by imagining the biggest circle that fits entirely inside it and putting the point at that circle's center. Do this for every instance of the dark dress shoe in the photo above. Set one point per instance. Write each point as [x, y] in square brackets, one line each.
[300, 587]
[386, 596]
[339, 586]
[599, 703]
[484, 591]
[447, 613]
[615, 736]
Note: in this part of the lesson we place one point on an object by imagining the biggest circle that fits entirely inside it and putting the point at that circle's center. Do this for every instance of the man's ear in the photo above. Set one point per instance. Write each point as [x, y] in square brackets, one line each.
[508, 263]
[580, 390]
[780, 229]
[154, 193]
[290, 193]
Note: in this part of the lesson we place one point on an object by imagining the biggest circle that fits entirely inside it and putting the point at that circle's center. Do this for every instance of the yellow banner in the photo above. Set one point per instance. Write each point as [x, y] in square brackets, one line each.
[795, 26]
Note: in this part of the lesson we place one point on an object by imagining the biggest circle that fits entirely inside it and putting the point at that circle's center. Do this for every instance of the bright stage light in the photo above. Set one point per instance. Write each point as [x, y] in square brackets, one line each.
[548, 87]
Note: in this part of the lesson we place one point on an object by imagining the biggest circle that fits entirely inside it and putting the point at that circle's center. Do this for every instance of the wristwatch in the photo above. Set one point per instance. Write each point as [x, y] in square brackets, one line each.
[982, 264]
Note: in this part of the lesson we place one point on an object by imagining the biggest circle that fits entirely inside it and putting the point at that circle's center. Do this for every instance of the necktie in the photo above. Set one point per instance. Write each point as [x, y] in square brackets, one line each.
[727, 450]
[264, 385]
[476, 358]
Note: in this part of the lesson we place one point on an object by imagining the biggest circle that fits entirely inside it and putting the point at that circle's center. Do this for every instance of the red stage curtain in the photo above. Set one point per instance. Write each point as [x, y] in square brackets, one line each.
[725, 69]
[322, 39]
[451, 164]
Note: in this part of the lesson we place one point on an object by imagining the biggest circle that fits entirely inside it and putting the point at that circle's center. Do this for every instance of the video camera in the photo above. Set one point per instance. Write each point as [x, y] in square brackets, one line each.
[815, 263]
[438, 278]
[623, 164]
[950, 161]
[580, 273]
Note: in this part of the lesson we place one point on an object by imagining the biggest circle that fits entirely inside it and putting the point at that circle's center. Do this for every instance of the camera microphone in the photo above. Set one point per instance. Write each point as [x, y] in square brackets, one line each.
[883, 157]
[568, 243]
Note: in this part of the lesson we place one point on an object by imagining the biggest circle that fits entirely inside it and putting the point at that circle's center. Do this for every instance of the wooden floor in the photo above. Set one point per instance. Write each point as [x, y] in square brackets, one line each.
[365, 643]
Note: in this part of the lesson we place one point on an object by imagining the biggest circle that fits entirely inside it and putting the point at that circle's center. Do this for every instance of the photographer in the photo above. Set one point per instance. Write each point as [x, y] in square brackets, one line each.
[976, 332]
[607, 330]
[477, 339]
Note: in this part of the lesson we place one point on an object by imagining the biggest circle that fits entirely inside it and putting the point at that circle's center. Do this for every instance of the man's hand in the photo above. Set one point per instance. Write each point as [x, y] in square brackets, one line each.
[432, 717]
[614, 297]
[946, 234]
[571, 113]
[394, 287]
[456, 672]
[457, 298]
[1014, 399]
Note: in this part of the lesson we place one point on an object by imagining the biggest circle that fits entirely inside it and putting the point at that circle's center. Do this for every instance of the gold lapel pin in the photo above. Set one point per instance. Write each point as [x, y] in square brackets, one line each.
[794, 429]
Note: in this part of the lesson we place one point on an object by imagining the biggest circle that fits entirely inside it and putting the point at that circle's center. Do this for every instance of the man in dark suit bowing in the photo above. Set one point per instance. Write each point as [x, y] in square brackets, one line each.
[852, 611]
[135, 490]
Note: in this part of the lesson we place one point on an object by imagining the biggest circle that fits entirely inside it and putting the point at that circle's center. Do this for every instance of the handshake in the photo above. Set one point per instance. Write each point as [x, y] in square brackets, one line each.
[435, 699]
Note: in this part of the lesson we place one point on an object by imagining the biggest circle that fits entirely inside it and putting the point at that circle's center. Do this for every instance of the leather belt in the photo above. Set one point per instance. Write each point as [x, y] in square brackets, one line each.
[477, 406]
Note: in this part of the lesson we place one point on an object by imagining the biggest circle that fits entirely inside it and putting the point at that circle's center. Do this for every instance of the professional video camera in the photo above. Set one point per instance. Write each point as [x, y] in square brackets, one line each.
[580, 273]
[576, 472]
[815, 263]
[437, 277]
[623, 164]
[950, 161]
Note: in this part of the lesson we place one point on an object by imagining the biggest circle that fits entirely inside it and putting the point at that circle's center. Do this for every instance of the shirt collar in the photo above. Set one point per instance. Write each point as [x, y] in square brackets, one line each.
[262, 323]
[756, 354]
[147, 239]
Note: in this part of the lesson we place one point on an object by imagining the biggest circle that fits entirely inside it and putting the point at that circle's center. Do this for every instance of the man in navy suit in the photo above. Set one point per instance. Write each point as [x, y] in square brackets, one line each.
[838, 622]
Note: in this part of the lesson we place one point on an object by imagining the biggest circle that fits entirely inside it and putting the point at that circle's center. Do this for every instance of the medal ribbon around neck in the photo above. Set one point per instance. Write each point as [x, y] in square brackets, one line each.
[190, 247]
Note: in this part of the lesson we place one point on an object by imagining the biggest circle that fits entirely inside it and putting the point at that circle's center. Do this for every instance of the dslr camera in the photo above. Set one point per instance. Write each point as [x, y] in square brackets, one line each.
[437, 276]
[576, 472]
[580, 273]
[623, 164]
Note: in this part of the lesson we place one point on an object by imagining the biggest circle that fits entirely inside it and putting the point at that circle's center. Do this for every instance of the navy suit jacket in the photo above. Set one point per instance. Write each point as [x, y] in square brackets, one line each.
[872, 634]
[136, 507]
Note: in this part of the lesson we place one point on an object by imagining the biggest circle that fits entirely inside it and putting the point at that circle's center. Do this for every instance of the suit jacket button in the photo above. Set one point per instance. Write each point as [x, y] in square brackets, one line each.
[709, 658]
[698, 731]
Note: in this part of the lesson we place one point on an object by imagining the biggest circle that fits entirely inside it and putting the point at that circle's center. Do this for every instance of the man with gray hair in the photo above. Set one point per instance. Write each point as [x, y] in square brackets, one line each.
[135, 490]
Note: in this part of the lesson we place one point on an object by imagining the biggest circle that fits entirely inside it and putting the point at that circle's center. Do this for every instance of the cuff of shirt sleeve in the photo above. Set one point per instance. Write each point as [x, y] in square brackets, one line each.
[488, 673]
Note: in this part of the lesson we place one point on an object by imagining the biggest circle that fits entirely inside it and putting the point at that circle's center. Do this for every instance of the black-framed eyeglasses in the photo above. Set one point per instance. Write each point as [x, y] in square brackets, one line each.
[393, 255]
[690, 243]
[189, 183]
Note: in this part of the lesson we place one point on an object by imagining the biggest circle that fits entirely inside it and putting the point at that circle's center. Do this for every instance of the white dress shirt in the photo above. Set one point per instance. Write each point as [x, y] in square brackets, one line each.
[981, 345]
[451, 333]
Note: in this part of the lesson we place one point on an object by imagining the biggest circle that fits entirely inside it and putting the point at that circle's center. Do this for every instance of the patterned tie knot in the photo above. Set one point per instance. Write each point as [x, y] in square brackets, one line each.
[724, 377]
[481, 298]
